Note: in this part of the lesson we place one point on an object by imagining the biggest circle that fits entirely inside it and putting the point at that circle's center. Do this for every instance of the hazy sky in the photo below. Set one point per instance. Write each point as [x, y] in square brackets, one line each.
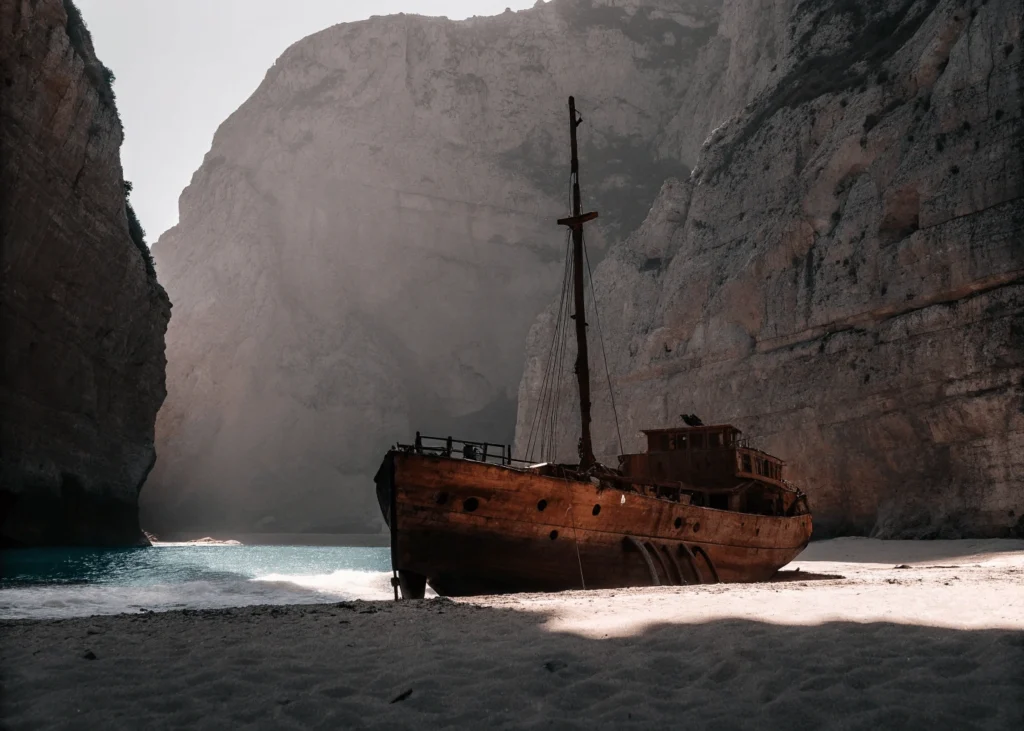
[183, 66]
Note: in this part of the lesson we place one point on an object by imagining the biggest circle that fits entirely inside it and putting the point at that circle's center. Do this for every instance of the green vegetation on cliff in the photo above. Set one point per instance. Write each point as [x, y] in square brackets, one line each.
[102, 79]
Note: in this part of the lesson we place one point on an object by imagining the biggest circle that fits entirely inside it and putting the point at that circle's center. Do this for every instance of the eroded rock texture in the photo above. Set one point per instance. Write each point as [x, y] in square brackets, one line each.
[372, 234]
[842, 276]
[82, 320]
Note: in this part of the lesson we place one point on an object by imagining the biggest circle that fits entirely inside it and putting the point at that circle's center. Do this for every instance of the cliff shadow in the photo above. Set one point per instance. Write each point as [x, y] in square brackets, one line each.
[438, 663]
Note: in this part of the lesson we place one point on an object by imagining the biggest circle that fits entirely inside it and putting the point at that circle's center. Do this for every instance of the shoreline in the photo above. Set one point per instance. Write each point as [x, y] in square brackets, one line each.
[350, 540]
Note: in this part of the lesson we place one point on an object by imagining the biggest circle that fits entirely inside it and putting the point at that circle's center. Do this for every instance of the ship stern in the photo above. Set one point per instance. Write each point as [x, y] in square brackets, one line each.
[385, 481]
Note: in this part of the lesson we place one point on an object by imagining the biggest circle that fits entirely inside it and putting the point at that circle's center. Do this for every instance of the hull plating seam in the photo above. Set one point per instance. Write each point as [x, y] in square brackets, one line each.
[483, 519]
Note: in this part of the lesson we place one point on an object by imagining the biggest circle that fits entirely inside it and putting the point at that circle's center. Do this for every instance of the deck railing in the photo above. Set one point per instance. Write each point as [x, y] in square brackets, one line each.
[463, 449]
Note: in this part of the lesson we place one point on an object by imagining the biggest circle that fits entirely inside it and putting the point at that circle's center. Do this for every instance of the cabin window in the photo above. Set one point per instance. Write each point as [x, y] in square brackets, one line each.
[714, 439]
[746, 463]
[697, 441]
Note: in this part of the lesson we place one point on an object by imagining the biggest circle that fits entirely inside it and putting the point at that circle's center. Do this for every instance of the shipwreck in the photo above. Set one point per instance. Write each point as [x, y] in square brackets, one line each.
[700, 505]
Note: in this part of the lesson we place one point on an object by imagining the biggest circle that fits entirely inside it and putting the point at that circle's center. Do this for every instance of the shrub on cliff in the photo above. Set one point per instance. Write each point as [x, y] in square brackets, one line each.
[101, 77]
[138, 233]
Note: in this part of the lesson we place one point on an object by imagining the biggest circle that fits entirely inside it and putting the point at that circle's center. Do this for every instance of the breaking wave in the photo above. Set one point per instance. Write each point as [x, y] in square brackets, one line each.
[54, 585]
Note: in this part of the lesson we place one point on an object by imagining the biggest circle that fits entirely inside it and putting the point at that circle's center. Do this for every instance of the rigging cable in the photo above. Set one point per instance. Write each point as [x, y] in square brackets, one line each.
[604, 353]
[544, 422]
[575, 535]
[537, 425]
[555, 385]
[552, 442]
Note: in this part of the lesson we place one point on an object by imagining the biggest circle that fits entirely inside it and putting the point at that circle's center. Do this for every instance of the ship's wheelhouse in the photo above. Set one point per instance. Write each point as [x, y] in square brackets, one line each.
[710, 452]
[715, 466]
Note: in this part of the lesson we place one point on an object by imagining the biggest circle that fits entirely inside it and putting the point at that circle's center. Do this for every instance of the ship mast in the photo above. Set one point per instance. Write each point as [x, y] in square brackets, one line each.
[575, 223]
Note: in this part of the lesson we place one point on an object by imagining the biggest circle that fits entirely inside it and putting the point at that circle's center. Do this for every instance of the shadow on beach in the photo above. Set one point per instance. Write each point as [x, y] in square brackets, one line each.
[438, 663]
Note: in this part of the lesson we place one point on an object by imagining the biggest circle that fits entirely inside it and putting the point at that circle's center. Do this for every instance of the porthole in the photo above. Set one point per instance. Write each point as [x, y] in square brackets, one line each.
[679, 522]
[541, 504]
[470, 504]
[596, 510]
[442, 498]
[696, 527]
[553, 535]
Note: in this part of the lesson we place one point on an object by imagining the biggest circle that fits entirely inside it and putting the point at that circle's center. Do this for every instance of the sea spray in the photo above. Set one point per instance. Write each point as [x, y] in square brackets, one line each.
[344, 583]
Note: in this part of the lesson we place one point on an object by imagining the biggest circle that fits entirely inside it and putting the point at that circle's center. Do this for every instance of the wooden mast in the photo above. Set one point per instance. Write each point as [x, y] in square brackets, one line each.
[575, 223]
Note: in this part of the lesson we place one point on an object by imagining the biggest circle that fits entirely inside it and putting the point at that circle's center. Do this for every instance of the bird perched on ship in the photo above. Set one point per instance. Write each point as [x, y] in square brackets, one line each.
[691, 420]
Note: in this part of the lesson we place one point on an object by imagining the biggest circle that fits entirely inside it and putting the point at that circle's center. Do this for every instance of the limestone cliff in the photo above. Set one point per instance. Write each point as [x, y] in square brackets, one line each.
[82, 318]
[372, 233]
[842, 276]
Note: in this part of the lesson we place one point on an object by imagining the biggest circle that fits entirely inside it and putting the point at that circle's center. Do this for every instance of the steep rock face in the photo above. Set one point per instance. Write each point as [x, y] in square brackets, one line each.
[372, 234]
[82, 319]
[842, 276]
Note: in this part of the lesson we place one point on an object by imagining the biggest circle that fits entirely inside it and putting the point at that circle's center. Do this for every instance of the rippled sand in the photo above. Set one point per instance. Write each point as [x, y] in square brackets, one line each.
[866, 635]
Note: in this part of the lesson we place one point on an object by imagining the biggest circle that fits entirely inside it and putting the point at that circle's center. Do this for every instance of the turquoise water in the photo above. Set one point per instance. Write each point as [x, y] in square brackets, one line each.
[68, 582]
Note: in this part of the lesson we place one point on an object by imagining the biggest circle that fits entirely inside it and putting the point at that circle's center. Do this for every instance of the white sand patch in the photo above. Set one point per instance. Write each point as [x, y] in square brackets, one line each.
[894, 553]
[954, 584]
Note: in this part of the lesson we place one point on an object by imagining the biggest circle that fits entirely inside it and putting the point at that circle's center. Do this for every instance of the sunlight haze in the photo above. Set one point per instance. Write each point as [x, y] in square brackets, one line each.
[182, 67]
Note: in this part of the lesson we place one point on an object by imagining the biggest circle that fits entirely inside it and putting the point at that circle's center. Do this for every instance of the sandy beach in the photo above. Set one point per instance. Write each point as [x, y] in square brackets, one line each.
[857, 634]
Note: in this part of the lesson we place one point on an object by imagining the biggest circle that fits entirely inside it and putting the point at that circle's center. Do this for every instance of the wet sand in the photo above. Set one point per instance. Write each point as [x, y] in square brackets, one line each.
[866, 635]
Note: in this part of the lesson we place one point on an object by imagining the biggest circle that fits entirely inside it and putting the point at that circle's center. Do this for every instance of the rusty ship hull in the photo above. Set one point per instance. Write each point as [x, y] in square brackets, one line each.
[468, 527]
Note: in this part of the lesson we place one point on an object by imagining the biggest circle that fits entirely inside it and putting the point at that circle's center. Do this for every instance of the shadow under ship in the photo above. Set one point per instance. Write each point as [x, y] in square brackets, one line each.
[699, 506]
